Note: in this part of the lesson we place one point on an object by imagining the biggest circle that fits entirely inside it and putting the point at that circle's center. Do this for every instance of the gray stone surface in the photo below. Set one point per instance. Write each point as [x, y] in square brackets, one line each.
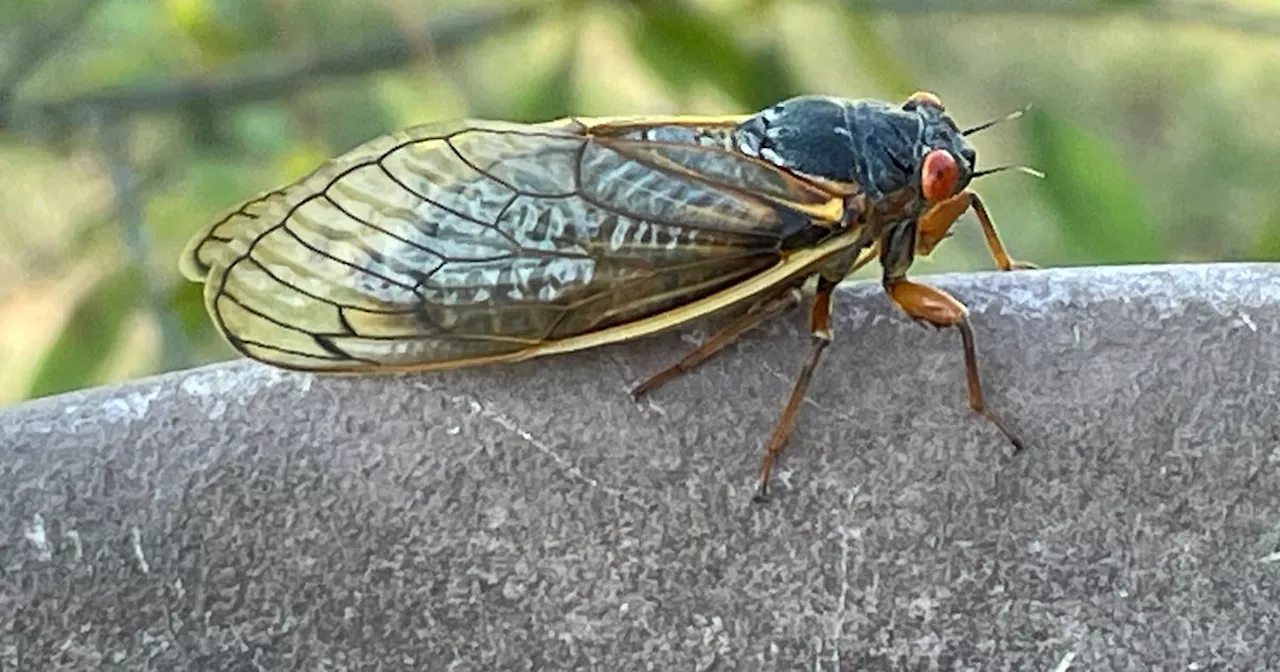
[236, 517]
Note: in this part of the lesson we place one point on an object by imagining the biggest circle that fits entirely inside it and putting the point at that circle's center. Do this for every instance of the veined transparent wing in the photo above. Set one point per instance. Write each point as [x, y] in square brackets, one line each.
[453, 244]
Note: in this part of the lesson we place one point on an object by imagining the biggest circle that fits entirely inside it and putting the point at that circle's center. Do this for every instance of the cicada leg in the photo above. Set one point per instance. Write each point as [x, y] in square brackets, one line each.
[754, 317]
[942, 310]
[935, 224]
[820, 327]
[939, 309]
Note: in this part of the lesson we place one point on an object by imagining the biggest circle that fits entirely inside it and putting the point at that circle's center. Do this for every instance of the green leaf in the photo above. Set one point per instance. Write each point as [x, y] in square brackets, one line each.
[1123, 4]
[349, 115]
[80, 352]
[683, 46]
[1102, 213]
[1267, 247]
[876, 58]
[186, 302]
[771, 79]
[552, 95]
[260, 130]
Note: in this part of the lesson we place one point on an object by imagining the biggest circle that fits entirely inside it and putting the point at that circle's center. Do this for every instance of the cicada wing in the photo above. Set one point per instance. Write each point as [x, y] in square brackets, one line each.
[447, 245]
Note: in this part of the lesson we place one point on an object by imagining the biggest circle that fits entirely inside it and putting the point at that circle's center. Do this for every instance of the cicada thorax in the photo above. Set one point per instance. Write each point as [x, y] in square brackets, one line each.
[906, 163]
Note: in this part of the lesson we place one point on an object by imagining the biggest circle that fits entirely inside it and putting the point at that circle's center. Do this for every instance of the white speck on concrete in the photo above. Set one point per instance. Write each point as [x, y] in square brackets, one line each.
[136, 537]
[218, 385]
[1065, 663]
[508, 424]
[1274, 557]
[694, 338]
[1248, 321]
[30, 427]
[131, 406]
[836, 625]
[35, 533]
[781, 476]
[78, 547]
[653, 406]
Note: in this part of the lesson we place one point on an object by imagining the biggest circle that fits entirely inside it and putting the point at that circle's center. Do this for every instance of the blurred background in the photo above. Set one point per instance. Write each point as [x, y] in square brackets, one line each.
[125, 126]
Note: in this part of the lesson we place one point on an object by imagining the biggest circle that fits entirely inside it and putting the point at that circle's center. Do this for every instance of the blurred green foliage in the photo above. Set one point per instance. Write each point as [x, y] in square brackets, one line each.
[1109, 222]
[1153, 120]
[76, 357]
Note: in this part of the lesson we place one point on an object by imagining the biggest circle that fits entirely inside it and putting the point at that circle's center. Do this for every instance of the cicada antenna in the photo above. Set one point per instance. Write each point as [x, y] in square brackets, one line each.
[999, 120]
[1027, 170]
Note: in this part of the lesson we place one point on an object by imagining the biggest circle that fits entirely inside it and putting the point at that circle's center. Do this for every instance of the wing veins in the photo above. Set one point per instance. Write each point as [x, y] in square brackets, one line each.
[285, 226]
[287, 351]
[284, 221]
[567, 309]
[274, 320]
[577, 176]
[327, 344]
[243, 210]
[463, 338]
[321, 341]
[677, 224]
[375, 227]
[485, 172]
[690, 289]
[621, 146]
[375, 160]
[336, 304]
[460, 215]
[520, 249]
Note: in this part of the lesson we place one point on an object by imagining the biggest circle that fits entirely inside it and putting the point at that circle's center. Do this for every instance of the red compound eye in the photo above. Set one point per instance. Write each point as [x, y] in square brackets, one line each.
[938, 175]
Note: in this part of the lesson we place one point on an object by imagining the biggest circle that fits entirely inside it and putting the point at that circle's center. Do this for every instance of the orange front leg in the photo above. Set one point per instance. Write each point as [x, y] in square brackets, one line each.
[935, 225]
[942, 310]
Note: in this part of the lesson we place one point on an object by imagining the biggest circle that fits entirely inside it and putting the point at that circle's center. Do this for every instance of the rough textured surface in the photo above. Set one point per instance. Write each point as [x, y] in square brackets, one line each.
[236, 517]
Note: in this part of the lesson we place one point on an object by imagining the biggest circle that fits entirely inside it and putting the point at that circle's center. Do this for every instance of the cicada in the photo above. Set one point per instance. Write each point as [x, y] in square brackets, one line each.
[478, 242]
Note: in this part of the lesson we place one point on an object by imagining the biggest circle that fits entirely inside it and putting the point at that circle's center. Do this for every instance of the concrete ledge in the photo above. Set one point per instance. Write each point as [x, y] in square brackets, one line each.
[532, 516]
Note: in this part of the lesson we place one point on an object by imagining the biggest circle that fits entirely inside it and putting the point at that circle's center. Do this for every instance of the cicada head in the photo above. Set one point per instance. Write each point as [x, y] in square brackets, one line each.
[882, 148]
[946, 159]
